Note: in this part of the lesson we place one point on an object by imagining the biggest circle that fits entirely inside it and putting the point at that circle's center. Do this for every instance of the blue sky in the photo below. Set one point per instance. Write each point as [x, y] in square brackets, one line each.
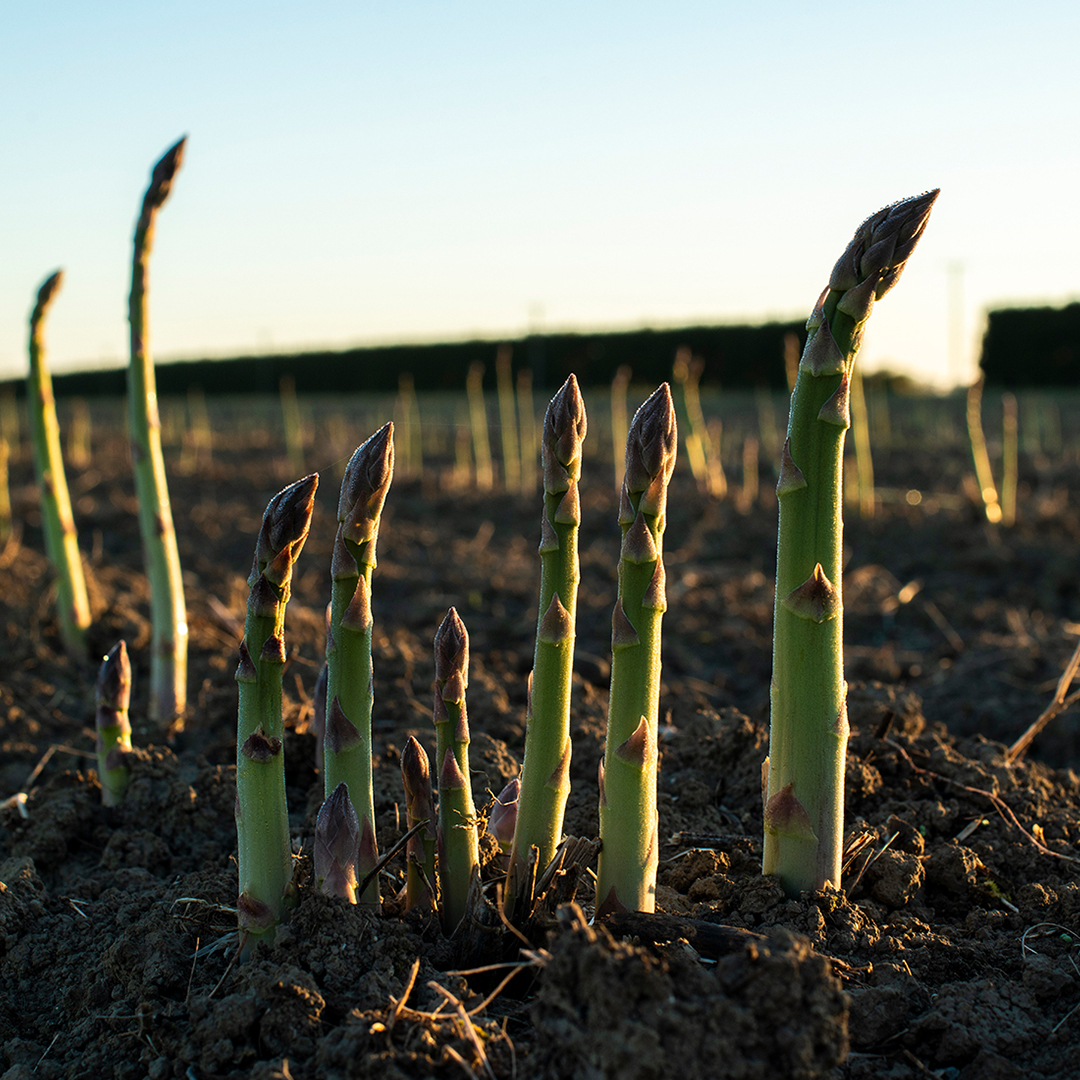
[364, 172]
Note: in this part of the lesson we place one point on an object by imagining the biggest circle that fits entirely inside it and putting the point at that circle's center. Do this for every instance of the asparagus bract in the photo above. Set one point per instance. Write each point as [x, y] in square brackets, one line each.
[113, 726]
[626, 875]
[545, 773]
[349, 689]
[61, 542]
[262, 821]
[168, 664]
[803, 777]
[337, 843]
[419, 807]
[458, 841]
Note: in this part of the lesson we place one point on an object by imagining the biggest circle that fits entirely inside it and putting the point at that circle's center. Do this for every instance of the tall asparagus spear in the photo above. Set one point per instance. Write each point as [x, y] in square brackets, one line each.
[626, 876]
[262, 820]
[349, 690]
[545, 774]
[168, 664]
[803, 776]
[113, 726]
[61, 542]
[458, 841]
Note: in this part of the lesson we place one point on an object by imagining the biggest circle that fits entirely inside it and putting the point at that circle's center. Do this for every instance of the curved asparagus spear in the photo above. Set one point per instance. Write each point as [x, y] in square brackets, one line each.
[113, 726]
[458, 842]
[803, 777]
[626, 875]
[262, 820]
[168, 664]
[545, 774]
[349, 690]
[419, 807]
[61, 542]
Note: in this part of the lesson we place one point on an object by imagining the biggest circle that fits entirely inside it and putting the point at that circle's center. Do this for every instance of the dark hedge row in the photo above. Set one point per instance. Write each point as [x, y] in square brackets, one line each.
[735, 356]
[1032, 347]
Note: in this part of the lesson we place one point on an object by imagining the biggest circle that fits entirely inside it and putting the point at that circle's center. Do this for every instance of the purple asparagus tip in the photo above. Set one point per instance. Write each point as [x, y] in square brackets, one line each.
[337, 845]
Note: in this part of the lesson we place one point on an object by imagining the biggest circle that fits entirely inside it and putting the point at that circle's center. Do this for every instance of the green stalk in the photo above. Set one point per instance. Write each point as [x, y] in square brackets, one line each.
[419, 807]
[168, 663]
[349, 688]
[979, 455]
[113, 726]
[262, 820]
[619, 423]
[458, 841]
[545, 773]
[1009, 459]
[626, 875]
[864, 460]
[5, 492]
[803, 777]
[61, 542]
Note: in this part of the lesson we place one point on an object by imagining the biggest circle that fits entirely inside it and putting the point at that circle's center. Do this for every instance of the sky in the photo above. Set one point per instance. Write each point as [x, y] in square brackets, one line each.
[362, 172]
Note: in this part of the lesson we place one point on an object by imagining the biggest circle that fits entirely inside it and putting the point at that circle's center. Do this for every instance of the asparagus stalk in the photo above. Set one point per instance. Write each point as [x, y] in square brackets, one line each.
[458, 841]
[508, 420]
[113, 727]
[168, 664]
[262, 821]
[61, 542]
[349, 689]
[337, 843]
[626, 875]
[545, 774]
[803, 777]
[419, 807]
[5, 492]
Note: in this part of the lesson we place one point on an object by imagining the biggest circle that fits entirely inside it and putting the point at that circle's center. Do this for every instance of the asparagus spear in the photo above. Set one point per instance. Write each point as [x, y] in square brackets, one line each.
[61, 542]
[626, 878]
[349, 690]
[803, 777]
[168, 664]
[545, 774]
[262, 821]
[113, 727]
[458, 842]
[337, 843]
[419, 807]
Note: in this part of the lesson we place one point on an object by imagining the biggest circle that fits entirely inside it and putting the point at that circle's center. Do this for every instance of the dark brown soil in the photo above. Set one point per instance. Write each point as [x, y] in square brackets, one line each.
[951, 951]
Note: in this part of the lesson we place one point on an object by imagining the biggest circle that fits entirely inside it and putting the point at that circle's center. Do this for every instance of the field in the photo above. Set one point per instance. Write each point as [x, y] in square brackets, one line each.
[951, 951]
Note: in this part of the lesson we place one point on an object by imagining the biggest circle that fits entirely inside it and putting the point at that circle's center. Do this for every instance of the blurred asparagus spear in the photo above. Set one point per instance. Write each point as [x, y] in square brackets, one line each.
[545, 774]
[803, 777]
[168, 664]
[349, 689]
[626, 876]
[61, 542]
[113, 726]
[262, 820]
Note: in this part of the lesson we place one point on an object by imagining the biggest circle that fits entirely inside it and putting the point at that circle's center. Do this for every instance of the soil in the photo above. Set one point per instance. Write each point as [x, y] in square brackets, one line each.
[950, 951]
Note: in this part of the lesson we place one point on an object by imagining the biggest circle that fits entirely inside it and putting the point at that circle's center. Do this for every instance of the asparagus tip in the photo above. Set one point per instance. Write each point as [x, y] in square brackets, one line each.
[452, 650]
[651, 441]
[114, 678]
[565, 423]
[337, 843]
[164, 173]
[365, 484]
[415, 770]
[503, 818]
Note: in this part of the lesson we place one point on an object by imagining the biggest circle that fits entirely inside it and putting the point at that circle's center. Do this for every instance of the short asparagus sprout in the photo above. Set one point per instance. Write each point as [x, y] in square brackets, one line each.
[61, 542]
[349, 684]
[626, 876]
[262, 820]
[803, 777]
[113, 727]
[419, 808]
[337, 843]
[458, 842]
[545, 774]
[168, 664]
[503, 820]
